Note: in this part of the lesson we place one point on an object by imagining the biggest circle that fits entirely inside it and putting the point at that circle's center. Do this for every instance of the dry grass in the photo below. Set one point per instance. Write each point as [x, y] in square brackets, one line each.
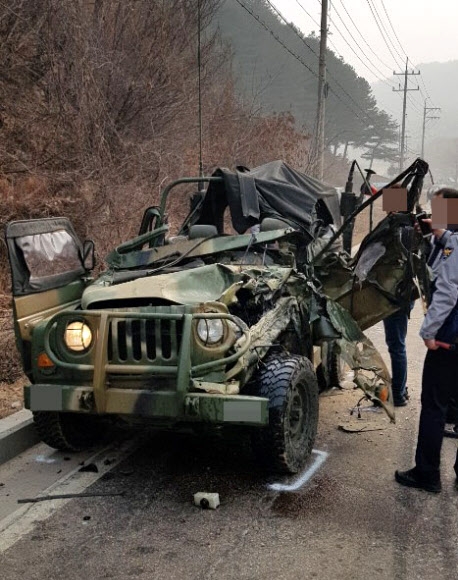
[11, 397]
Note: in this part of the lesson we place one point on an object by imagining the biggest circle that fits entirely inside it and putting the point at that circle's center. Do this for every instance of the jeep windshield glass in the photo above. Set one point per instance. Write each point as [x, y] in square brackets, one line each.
[49, 254]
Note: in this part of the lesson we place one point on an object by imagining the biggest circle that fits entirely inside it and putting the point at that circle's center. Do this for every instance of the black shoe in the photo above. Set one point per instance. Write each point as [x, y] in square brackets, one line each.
[451, 432]
[399, 401]
[411, 478]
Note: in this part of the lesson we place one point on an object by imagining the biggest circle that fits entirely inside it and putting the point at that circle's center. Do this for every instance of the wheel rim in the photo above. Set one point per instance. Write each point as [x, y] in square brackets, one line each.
[296, 427]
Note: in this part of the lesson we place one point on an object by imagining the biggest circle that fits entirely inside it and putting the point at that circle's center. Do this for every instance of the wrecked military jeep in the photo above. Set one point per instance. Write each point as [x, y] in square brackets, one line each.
[205, 327]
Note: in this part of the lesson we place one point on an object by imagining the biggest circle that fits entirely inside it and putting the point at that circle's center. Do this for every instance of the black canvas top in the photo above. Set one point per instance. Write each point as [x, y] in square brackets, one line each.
[271, 190]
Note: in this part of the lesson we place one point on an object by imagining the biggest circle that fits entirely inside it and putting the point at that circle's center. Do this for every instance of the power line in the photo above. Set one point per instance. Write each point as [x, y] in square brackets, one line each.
[404, 51]
[380, 24]
[392, 27]
[413, 102]
[383, 80]
[365, 41]
[385, 30]
[293, 28]
[417, 105]
[277, 38]
[337, 51]
[308, 14]
[277, 11]
[406, 75]
[427, 96]
[427, 112]
[381, 32]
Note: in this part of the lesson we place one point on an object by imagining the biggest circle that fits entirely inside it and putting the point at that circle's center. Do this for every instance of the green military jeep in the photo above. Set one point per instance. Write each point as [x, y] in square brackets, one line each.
[205, 327]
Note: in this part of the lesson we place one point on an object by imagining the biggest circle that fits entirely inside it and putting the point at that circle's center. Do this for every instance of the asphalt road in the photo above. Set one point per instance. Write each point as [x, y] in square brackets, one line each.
[349, 521]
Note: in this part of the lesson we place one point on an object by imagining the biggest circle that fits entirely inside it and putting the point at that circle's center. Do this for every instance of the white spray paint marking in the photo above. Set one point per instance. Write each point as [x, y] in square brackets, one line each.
[321, 457]
[44, 459]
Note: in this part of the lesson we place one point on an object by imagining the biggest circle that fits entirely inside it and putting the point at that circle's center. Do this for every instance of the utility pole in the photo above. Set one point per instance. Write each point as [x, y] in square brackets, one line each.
[406, 74]
[426, 110]
[322, 90]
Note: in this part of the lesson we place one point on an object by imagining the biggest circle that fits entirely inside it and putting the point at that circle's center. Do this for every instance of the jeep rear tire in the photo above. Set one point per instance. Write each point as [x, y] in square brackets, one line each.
[334, 366]
[290, 384]
[67, 431]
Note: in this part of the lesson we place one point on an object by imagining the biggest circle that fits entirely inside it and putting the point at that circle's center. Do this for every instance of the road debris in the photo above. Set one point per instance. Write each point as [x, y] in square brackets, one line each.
[206, 500]
[69, 496]
[90, 467]
[359, 426]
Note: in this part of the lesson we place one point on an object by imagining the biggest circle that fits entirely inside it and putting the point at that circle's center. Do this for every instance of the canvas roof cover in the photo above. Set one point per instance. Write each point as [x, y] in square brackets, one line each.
[272, 190]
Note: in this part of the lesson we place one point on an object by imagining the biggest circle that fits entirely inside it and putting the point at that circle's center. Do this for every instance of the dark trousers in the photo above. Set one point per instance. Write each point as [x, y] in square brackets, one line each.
[395, 338]
[439, 385]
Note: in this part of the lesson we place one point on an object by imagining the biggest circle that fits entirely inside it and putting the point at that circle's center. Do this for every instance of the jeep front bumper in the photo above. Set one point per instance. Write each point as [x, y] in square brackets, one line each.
[165, 407]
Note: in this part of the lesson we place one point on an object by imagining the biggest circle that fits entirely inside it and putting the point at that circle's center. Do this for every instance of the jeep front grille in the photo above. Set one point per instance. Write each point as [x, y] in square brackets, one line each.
[150, 341]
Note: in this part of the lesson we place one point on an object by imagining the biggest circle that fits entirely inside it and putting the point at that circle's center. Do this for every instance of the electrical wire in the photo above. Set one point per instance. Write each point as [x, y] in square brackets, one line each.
[382, 34]
[298, 58]
[370, 69]
[370, 48]
[329, 74]
[389, 67]
[403, 50]
[308, 14]
[388, 37]
[277, 11]
[337, 51]
[277, 38]
[392, 27]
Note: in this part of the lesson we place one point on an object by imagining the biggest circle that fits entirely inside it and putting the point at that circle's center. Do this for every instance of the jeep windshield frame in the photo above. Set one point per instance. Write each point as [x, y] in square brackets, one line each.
[44, 254]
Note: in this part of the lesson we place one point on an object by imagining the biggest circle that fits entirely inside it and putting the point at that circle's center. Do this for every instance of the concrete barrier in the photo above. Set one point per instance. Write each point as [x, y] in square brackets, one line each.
[17, 433]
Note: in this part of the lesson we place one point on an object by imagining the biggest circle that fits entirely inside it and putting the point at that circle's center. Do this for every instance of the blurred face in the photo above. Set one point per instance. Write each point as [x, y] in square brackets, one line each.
[394, 199]
[444, 212]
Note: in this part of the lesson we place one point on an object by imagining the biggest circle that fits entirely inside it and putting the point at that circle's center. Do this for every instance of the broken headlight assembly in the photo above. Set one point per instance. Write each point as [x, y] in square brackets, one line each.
[211, 331]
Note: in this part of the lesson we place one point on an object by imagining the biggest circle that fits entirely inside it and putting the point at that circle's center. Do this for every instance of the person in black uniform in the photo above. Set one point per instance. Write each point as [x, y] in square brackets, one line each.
[439, 382]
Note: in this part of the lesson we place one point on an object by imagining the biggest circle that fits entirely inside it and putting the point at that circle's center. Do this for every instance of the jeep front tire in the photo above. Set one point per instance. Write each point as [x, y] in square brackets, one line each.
[67, 431]
[290, 384]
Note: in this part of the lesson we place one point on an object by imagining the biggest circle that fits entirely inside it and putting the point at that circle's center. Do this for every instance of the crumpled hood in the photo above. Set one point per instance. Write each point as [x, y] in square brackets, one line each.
[203, 284]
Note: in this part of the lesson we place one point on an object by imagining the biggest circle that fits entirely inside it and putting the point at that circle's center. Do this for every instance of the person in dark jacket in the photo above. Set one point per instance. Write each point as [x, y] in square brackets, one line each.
[395, 327]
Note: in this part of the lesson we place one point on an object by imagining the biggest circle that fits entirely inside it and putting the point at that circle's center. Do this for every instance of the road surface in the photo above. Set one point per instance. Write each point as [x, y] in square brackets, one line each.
[350, 520]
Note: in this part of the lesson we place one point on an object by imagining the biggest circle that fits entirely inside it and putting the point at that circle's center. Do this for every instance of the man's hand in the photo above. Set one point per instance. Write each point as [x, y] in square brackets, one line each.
[437, 232]
[430, 344]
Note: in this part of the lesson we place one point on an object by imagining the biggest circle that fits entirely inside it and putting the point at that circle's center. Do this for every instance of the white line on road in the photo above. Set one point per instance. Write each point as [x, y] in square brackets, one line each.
[23, 520]
[321, 457]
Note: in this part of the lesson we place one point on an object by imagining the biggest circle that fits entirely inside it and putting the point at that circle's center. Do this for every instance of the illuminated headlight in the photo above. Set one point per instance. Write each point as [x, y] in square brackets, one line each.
[210, 330]
[77, 336]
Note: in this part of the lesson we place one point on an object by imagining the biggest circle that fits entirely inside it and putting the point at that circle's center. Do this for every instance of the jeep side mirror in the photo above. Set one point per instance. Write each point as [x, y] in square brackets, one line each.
[88, 255]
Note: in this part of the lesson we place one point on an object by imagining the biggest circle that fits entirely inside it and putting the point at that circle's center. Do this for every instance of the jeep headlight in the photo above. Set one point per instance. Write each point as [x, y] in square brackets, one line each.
[210, 330]
[77, 336]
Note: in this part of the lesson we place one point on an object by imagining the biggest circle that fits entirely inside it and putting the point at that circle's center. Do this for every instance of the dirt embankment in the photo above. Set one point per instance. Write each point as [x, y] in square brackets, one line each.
[11, 398]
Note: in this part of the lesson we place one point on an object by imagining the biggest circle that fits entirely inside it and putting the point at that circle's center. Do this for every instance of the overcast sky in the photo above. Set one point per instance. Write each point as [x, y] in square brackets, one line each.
[425, 30]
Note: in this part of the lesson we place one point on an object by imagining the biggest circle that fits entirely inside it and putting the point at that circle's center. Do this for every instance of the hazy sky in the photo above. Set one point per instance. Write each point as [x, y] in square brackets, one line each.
[427, 31]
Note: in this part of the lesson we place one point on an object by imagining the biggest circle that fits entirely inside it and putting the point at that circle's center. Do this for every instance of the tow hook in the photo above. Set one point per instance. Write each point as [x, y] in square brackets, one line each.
[86, 401]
